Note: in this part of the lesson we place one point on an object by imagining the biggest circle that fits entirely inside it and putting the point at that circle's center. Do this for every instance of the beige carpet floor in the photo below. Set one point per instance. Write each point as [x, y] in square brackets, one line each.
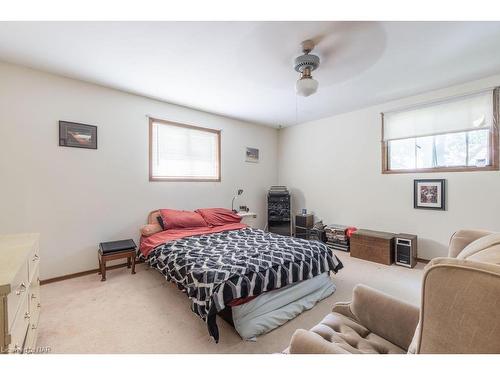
[143, 313]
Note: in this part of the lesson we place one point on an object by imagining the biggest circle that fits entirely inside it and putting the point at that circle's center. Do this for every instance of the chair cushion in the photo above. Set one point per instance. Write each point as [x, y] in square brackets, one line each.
[351, 337]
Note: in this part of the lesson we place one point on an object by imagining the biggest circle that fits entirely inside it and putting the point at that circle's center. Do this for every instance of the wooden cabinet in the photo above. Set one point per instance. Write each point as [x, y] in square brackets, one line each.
[373, 246]
[19, 292]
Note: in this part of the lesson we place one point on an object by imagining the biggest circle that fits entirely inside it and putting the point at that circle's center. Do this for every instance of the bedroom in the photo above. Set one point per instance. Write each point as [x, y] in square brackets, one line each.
[189, 187]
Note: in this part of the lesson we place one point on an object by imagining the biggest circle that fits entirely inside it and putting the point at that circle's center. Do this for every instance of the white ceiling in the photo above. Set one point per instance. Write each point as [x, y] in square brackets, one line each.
[244, 69]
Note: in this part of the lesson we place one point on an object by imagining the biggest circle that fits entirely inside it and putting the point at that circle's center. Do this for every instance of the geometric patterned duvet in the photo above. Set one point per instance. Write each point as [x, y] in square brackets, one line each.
[214, 269]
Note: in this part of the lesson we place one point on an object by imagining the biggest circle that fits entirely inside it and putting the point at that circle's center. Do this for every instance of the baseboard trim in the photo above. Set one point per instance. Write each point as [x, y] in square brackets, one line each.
[420, 260]
[82, 273]
[89, 272]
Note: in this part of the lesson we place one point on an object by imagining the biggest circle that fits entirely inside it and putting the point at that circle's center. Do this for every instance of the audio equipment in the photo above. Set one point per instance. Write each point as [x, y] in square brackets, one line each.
[303, 225]
[279, 211]
[406, 250]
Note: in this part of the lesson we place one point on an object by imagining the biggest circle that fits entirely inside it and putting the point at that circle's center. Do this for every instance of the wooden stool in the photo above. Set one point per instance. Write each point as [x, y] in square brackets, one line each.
[116, 250]
[103, 258]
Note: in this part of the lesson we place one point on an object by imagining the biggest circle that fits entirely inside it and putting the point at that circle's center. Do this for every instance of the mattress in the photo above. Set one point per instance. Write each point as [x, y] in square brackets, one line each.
[273, 309]
[214, 269]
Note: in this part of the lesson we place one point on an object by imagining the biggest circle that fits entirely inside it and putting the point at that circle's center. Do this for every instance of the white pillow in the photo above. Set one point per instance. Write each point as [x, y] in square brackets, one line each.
[485, 249]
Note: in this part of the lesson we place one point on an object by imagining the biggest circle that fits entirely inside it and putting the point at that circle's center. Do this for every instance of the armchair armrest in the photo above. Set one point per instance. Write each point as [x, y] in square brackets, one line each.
[382, 314]
[462, 238]
[306, 342]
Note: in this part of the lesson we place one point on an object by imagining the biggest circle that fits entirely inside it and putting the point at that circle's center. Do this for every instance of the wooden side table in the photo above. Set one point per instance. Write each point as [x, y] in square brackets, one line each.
[116, 250]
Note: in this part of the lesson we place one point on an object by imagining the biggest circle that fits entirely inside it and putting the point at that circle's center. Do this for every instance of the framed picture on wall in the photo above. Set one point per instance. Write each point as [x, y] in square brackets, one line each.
[252, 155]
[73, 134]
[429, 194]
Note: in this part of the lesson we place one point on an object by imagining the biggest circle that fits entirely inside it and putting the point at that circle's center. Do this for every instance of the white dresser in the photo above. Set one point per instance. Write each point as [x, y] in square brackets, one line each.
[19, 292]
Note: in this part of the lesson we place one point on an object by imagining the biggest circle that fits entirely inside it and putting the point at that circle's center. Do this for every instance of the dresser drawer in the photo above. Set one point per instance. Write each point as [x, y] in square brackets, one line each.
[33, 262]
[30, 342]
[18, 293]
[19, 327]
[34, 300]
[19, 265]
[34, 314]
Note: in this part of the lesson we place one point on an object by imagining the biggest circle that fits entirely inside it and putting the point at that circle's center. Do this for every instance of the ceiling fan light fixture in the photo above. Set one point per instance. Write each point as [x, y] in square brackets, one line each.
[306, 85]
[305, 64]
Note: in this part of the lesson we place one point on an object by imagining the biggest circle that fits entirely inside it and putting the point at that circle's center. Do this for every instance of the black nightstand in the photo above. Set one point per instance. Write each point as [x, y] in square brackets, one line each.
[304, 225]
[116, 250]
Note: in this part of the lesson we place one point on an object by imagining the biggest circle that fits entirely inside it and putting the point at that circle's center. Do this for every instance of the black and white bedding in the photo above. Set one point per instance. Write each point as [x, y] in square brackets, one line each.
[214, 269]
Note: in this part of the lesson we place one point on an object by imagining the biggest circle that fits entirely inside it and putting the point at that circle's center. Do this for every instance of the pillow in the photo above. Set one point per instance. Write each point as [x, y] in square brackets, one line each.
[177, 219]
[150, 229]
[485, 249]
[218, 216]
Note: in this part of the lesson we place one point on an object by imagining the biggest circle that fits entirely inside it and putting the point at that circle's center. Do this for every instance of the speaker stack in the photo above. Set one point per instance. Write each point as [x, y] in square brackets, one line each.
[279, 211]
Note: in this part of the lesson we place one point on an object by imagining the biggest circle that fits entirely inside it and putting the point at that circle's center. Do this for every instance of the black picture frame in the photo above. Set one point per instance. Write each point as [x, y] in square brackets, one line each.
[75, 134]
[439, 194]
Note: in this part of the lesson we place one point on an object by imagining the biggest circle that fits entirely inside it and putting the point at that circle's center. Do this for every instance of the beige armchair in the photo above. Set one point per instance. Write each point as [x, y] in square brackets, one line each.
[459, 310]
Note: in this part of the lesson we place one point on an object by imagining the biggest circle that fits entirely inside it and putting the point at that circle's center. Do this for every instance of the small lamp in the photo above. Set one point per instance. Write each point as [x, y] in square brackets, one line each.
[238, 193]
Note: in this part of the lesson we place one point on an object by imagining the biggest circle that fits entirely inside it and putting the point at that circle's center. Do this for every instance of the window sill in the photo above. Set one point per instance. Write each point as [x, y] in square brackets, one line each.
[175, 179]
[442, 170]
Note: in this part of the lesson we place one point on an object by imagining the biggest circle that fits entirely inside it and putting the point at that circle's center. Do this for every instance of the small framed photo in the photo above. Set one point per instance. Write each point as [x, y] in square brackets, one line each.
[252, 155]
[73, 134]
[429, 194]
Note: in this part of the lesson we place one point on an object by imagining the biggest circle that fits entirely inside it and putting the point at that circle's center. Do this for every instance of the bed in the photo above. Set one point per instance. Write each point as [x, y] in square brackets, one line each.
[253, 279]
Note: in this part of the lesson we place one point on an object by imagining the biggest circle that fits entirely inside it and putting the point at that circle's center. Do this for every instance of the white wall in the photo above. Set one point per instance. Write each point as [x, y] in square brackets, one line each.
[77, 198]
[333, 167]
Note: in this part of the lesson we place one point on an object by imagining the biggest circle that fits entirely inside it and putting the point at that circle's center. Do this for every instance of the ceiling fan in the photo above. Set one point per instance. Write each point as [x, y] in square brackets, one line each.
[304, 64]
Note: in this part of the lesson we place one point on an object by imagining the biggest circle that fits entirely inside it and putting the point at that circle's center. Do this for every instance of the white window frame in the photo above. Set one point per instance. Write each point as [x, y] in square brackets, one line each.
[153, 177]
[493, 149]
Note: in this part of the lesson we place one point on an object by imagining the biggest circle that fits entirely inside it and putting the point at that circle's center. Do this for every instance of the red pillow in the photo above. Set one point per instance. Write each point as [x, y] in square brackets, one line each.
[176, 219]
[218, 216]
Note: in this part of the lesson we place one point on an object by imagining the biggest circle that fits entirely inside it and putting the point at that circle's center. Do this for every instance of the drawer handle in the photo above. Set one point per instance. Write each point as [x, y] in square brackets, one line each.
[35, 258]
[38, 305]
[27, 315]
[21, 289]
[33, 326]
[33, 296]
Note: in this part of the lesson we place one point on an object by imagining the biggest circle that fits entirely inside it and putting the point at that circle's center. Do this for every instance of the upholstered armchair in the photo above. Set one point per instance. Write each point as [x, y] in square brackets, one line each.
[459, 309]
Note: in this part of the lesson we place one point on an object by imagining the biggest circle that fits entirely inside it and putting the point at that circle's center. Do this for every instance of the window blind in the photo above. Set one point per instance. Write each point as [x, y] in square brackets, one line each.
[463, 113]
[184, 152]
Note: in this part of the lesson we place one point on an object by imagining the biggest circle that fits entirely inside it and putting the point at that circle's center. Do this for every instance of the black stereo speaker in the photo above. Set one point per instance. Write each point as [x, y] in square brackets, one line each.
[279, 211]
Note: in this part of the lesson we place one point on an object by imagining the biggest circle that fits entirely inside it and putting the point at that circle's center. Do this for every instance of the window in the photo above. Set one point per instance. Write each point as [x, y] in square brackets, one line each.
[180, 152]
[458, 134]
